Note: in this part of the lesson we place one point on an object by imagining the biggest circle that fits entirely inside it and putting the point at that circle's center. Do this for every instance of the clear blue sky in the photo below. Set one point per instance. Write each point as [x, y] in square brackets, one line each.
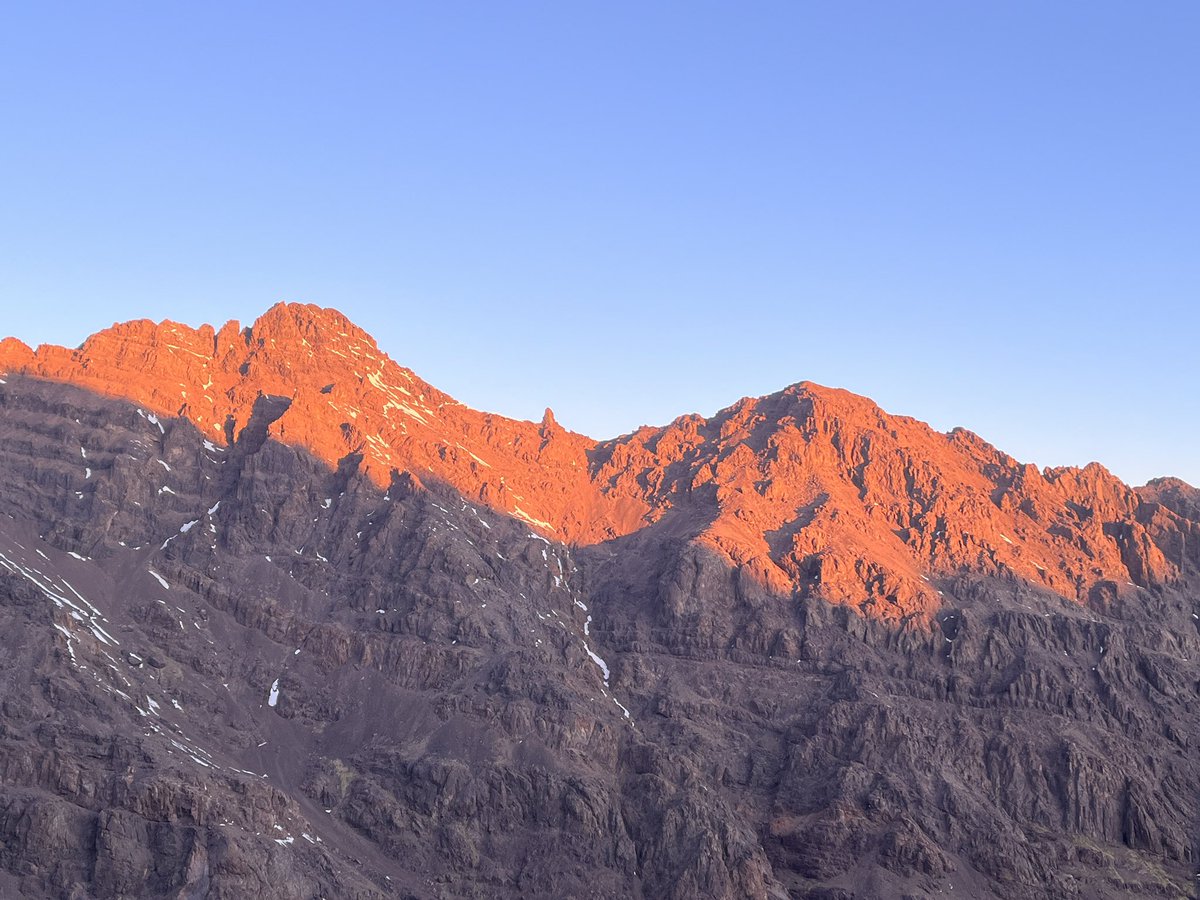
[978, 214]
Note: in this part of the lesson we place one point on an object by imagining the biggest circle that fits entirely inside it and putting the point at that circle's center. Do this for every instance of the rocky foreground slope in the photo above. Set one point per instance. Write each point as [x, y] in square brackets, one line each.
[280, 618]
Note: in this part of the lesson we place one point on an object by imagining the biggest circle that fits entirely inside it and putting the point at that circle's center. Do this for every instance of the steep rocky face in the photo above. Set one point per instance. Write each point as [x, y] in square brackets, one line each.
[810, 489]
[346, 396]
[300, 625]
[820, 491]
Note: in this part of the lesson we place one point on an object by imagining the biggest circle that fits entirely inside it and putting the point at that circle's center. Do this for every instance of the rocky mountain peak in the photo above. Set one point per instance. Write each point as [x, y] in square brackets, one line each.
[809, 489]
[289, 326]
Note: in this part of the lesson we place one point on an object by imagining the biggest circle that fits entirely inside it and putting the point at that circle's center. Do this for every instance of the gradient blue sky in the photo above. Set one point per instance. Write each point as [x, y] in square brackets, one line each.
[978, 214]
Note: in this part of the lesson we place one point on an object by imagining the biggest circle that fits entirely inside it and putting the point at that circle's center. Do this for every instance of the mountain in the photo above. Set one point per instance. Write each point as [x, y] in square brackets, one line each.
[282, 618]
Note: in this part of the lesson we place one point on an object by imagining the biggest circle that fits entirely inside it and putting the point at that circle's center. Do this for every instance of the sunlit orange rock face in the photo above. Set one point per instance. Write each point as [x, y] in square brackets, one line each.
[810, 489]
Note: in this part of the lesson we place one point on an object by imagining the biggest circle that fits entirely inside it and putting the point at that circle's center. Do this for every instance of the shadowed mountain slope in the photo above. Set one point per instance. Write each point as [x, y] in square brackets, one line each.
[280, 618]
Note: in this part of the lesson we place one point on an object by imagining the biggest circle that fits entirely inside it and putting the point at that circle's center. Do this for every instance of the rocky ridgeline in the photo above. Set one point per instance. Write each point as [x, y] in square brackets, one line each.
[282, 619]
[810, 489]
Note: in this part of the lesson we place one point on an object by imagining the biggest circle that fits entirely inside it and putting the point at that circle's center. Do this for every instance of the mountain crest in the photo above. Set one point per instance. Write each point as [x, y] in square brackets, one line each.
[808, 490]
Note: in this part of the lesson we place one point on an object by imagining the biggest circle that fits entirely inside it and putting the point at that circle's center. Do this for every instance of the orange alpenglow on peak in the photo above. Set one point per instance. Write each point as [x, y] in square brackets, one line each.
[808, 490]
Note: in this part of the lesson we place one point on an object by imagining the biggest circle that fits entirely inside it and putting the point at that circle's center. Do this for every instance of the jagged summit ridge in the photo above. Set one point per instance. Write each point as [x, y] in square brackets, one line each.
[808, 490]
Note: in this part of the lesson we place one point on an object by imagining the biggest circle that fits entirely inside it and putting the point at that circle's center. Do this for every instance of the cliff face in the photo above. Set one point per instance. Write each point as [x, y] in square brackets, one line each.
[810, 489]
[281, 618]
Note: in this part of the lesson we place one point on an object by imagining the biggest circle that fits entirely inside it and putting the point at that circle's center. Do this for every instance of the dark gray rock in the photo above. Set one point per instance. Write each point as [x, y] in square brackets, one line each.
[341, 692]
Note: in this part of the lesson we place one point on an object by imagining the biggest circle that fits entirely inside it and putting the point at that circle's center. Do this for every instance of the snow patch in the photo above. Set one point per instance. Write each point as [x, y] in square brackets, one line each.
[532, 521]
[597, 660]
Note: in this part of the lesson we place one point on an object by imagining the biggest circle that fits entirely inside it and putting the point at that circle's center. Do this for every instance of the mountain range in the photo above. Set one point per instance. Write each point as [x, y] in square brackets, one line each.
[282, 619]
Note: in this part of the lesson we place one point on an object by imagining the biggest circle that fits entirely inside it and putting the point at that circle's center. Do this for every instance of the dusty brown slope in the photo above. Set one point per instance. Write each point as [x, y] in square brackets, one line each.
[802, 648]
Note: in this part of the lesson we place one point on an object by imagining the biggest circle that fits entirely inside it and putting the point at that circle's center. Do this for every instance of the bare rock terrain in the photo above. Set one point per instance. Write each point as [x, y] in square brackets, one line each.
[280, 619]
